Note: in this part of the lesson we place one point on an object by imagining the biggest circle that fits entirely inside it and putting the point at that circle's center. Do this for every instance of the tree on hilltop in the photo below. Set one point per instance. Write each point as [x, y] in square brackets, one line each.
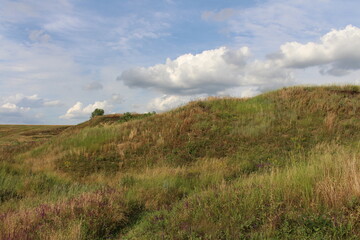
[97, 112]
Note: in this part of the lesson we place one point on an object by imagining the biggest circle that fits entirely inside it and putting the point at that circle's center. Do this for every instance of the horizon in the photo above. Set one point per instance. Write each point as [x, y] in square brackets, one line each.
[177, 106]
[62, 59]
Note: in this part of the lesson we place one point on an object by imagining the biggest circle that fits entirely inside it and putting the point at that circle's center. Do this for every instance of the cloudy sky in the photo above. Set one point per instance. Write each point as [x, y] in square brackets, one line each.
[61, 59]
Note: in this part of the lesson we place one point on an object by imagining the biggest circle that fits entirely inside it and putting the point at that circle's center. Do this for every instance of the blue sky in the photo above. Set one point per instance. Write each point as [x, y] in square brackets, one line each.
[59, 60]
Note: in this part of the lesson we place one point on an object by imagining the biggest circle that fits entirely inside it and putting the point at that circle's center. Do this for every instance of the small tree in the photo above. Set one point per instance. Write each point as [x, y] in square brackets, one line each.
[97, 112]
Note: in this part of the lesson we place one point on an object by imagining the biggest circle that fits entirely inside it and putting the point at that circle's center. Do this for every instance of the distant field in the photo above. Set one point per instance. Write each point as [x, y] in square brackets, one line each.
[15, 139]
[15, 134]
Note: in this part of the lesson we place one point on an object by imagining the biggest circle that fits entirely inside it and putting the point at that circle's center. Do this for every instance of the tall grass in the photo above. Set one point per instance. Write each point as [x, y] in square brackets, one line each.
[90, 216]
[283, 165]
[317, 198]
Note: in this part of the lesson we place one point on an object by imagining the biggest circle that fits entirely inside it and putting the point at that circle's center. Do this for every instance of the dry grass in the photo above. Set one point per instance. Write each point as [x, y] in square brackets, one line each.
[93, 214]
[283, 165]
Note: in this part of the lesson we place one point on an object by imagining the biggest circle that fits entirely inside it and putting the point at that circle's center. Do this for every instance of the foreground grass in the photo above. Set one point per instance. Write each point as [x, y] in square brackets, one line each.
[316, 199]
[283, 165]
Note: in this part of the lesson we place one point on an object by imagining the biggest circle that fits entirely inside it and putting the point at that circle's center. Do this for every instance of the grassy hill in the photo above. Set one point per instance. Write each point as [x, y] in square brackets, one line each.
[282, 165]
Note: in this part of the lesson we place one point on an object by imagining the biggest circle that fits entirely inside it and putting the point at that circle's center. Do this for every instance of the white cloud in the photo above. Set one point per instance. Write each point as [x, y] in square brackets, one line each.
[28, 102]
[337, 52]
[249, 92]
[133, 29]
[167, 102]
[11, 113]
[216, 71]
[35, 61]
[266, 25]
[57, 48]
[209, 72]
[23, 109]
[31, 101]
[12, 108]
[78, 111]
[243, 92]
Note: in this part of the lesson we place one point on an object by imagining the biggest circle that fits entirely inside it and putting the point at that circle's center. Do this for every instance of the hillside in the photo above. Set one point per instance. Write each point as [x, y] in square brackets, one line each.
[282, 165]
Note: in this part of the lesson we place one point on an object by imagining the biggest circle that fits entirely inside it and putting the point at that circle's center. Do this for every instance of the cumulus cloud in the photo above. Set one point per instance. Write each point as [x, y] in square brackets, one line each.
[243, 92]
[167, 102]
[214, 72]
[337, 52]
[93, 86]
[11, 113]
[19, 108]
[78, 111]
[12, 108]
[206, 73]
[31, 101]
[28, 102]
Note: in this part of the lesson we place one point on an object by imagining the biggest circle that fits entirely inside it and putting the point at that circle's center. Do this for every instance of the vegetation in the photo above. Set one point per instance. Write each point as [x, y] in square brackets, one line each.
[131, 116]
[97, 112]
[282, 165]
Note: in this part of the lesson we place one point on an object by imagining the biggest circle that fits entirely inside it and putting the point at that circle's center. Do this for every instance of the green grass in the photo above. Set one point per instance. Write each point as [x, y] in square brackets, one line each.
[282, 165]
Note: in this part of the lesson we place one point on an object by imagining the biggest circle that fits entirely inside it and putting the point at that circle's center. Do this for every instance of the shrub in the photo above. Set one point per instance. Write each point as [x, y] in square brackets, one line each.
[97, 112]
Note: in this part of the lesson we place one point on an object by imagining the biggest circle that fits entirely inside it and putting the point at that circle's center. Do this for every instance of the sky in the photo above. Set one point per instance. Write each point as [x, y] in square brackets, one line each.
[61, 59]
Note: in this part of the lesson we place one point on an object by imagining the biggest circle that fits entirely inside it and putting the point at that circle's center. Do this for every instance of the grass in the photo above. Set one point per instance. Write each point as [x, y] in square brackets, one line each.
[297, 202]
[282, 165]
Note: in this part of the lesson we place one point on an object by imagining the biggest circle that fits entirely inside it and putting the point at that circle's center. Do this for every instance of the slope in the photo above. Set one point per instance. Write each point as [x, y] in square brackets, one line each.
[284, 164]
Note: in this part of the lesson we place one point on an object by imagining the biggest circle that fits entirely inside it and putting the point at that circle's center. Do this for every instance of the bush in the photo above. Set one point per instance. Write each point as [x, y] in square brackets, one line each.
[97, 112]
